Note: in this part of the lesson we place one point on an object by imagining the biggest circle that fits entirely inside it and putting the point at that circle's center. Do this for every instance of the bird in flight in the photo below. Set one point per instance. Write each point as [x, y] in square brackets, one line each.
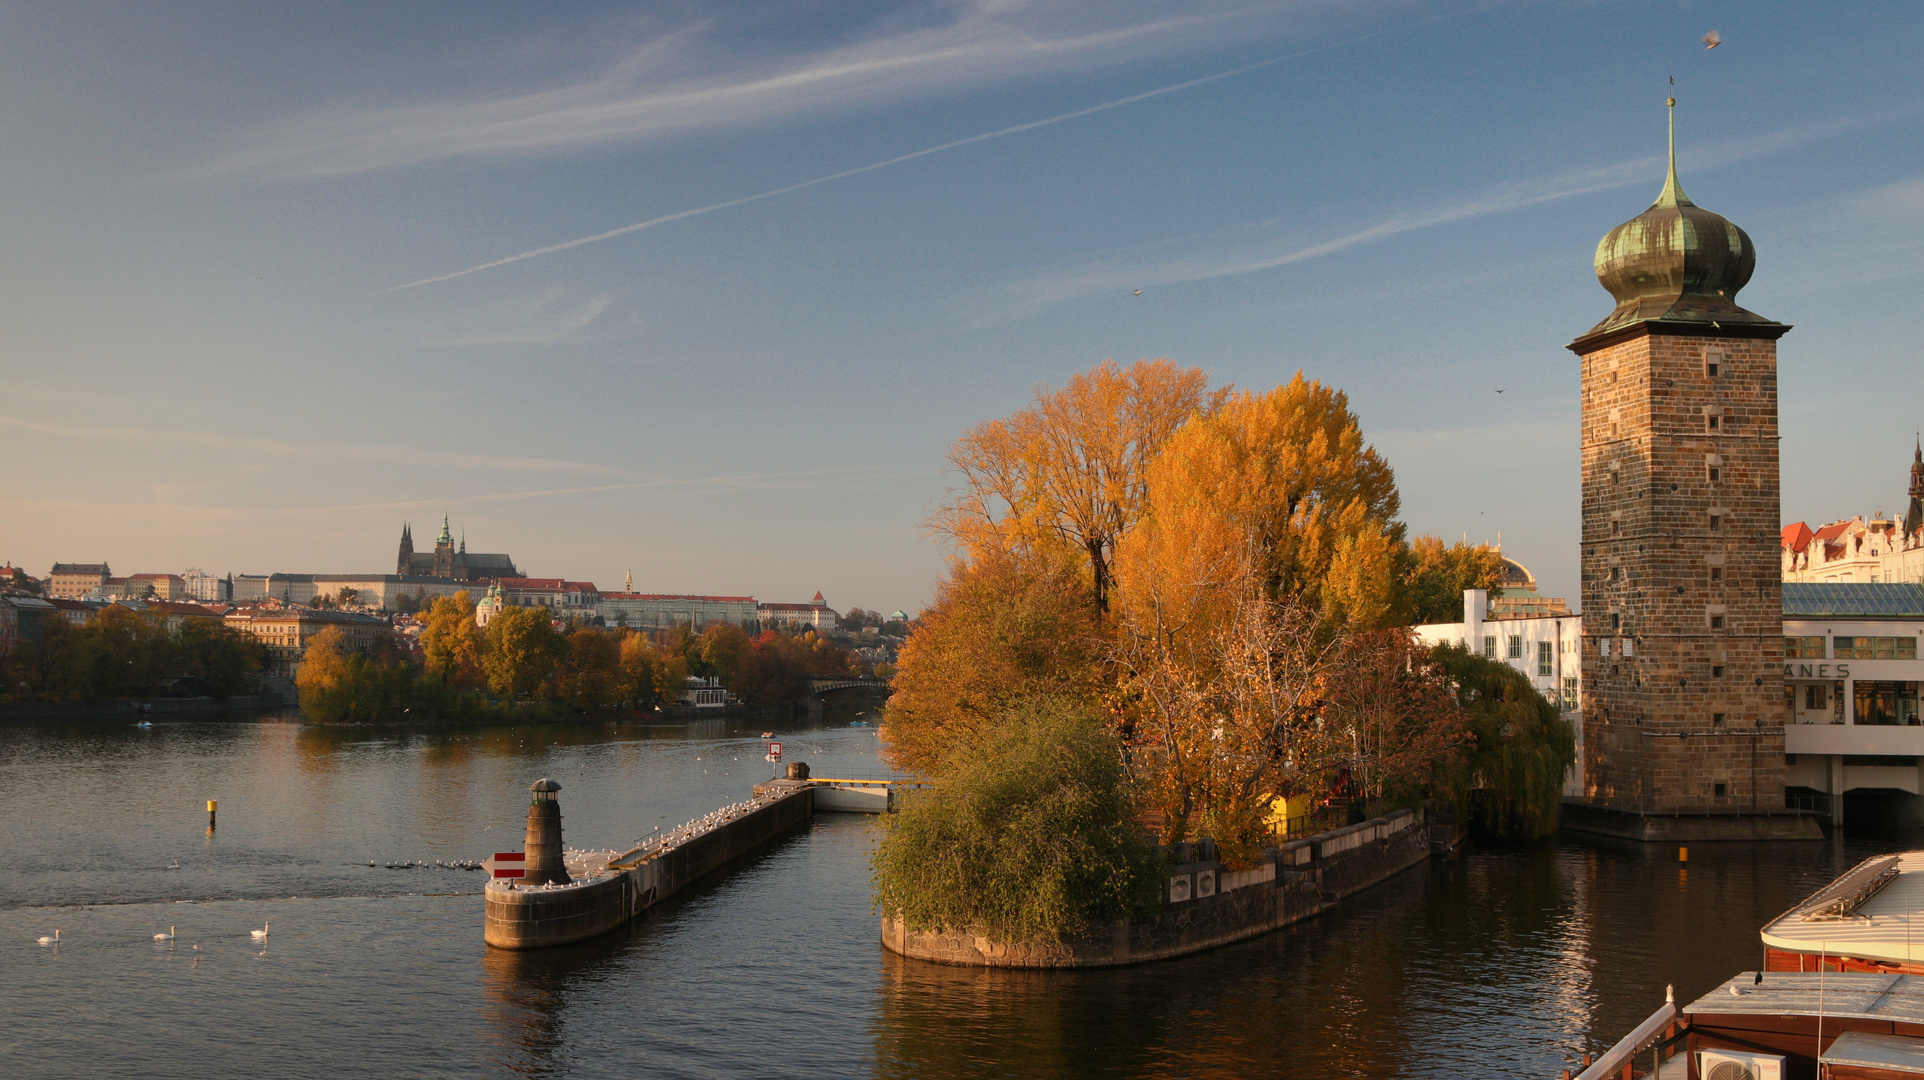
[1138, 292]
[1500, 391]
[1713, 39]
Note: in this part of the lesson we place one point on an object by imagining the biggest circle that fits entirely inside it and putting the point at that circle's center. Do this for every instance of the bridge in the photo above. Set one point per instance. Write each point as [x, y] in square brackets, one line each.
[828, 684]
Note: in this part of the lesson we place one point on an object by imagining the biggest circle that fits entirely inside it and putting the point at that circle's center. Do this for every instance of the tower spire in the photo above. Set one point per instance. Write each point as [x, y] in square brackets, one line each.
[1672, 193]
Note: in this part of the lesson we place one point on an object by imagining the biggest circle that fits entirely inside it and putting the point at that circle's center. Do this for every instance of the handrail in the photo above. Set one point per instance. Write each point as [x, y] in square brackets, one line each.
[833, 780]
[1627, 1048]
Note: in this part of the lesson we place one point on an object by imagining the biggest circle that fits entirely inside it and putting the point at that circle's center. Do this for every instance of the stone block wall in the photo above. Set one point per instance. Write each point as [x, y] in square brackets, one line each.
[1682, 602]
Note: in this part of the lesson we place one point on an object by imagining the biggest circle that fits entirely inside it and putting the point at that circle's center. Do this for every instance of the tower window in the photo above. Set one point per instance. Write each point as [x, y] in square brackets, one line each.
[1714, 421]
[1716, 573]
[1720, 788]
[1716, 521]
[1711, 364]
[1714, 473]
[1616, 526]
[1717, 720]
[1616, 621]
[1716, 671]
[1615, 573]
[1716, 622]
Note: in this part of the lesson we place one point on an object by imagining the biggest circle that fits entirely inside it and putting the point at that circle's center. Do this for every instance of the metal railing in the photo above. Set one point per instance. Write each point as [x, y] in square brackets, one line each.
[1661, 1035]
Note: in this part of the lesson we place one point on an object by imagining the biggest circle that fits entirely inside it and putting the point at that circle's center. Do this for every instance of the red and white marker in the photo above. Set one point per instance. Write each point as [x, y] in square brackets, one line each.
[507, 864]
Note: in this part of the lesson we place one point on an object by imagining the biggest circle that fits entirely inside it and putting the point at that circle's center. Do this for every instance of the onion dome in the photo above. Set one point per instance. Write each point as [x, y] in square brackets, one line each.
[1676, 263]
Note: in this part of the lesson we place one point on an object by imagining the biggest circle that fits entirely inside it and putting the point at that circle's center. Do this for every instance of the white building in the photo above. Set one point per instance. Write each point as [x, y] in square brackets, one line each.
[662, 611]
[816, 615]
[205, 587]
[1860, 551]
[1851, 676]
[1542, 647]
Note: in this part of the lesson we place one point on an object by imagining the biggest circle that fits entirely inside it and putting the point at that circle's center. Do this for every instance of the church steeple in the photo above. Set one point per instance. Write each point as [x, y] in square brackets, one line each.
[1914, 517]
[407, 550]
[445, 537]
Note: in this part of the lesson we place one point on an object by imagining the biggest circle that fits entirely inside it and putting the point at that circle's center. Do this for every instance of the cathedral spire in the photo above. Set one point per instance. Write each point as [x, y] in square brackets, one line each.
[445, 537]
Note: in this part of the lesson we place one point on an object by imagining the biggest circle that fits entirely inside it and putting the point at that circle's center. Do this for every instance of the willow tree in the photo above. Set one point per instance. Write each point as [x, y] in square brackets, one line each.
[1069, 473]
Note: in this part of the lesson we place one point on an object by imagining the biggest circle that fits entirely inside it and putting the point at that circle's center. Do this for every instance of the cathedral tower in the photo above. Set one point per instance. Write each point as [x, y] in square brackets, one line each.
[1683, 706]
[407, 551]
[444, 551]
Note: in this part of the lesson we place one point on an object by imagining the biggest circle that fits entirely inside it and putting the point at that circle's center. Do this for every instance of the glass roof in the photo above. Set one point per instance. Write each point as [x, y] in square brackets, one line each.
[1890, 599]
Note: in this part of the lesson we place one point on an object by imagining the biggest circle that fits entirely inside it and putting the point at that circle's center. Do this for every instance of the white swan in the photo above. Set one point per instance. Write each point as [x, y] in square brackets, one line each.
[261, 933]
[54, 940]
[168, 936]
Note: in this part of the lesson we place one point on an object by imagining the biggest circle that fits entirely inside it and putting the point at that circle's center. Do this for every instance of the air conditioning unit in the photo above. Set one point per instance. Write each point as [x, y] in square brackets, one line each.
[1736, 1065]
[1180, 888]
[1205, 883]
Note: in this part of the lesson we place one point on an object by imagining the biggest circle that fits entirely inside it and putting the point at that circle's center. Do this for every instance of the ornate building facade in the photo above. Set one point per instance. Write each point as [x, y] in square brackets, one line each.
[1682, 604]
[449, 561]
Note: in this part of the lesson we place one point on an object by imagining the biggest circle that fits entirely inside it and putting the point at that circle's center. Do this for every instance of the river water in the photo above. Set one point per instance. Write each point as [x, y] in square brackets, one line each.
[1505, 963]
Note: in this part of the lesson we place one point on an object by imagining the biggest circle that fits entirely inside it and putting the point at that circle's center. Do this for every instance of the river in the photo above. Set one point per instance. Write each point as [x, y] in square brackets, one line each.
[1505, 963]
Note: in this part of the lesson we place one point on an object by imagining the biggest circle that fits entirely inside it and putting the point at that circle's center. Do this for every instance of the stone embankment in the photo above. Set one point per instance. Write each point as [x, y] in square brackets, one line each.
[599, 898]
[1206, 906]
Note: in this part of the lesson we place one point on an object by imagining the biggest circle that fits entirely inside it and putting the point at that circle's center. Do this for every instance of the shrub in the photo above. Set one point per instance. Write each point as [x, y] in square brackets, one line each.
[1033, 834]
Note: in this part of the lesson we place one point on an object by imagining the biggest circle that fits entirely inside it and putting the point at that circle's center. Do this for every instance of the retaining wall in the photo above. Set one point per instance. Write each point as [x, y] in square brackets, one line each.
[1206, 906]
[544, 915]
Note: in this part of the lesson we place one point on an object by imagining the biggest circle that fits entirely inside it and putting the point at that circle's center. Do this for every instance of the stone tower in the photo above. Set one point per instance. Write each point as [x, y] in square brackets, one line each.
[444, 552]
[407, 550]
[1682, 598]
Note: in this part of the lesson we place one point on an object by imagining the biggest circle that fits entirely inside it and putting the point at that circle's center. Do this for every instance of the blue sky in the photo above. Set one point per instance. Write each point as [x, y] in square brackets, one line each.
[213, 219]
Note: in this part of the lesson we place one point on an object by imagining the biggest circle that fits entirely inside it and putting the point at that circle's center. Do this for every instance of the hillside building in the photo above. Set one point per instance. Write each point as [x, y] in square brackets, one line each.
[449, 561]
[71, 581]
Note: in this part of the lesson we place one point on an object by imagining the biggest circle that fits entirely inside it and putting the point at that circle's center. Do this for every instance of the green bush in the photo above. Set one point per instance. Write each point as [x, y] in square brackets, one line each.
[1032, 835]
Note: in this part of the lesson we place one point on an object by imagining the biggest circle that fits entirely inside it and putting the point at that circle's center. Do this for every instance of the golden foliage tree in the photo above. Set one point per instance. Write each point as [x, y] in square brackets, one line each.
[1437, 576]
[524, 651]
[452, 643]
[1068, 472]
[1278, 488]
[1003, 630]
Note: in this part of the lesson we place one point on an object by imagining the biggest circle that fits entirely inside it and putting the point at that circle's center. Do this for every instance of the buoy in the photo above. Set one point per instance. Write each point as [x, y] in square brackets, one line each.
[212, 805]
[1683, 856]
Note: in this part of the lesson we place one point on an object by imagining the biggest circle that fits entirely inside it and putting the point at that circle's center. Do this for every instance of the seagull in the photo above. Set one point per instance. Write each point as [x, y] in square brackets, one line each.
[1138, 292]
[54, 940]
[261, 933]
[1500, 391]
[1712, 40]
[168, 936]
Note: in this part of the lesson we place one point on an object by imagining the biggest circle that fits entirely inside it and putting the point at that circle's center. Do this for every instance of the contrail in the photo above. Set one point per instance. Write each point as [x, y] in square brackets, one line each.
[860, 169]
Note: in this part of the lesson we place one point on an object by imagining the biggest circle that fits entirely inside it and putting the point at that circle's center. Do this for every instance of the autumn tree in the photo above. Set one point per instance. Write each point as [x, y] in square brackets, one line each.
[720, 646]
[1068, 473]
[592, 676]
[1397, 706]
[452, 643]
[1003, 630]
[523, 651]
[1437, 576]
[230, 661]
[650, 675]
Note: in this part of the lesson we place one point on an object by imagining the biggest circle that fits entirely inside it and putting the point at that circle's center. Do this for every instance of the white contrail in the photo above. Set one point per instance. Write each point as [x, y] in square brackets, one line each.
[858, 170]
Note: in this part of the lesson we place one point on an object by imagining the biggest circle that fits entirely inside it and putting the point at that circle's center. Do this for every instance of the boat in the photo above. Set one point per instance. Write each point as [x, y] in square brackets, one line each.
[1839, 998]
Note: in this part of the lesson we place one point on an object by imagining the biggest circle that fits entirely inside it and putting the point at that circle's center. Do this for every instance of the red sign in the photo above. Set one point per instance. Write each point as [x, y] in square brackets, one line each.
[507, 864]
[774, 749]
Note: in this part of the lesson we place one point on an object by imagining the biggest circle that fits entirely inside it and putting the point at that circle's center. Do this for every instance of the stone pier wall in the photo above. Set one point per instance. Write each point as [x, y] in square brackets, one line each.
[1207, 906]
[533, 918]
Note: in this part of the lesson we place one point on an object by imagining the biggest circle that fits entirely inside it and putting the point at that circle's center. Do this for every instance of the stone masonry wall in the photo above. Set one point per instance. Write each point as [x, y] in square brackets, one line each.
[1680, 560]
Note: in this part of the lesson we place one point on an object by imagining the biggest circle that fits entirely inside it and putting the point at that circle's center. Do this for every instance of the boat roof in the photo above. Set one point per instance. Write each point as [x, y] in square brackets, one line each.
[1866, 913]
[1863, 994]
[1869, 1050]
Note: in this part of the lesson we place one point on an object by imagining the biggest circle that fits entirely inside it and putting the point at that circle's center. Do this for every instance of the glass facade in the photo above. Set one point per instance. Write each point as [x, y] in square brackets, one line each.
[1884, 704]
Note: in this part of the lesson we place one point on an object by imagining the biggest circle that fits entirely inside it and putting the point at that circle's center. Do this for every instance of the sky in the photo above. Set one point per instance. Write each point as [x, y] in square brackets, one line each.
[704, 292]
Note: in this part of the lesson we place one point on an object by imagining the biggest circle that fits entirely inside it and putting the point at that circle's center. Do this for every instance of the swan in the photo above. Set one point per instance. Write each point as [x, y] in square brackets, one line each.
[261, 933]
[54, 940]
[168, 936]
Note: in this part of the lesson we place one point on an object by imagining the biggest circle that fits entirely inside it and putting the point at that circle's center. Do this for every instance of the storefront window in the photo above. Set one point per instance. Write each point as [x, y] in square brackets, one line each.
[1803, 648]
[1886, 703]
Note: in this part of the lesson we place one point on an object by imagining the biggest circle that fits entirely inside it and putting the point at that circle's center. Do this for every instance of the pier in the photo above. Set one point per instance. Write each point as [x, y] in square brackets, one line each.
[595, 893]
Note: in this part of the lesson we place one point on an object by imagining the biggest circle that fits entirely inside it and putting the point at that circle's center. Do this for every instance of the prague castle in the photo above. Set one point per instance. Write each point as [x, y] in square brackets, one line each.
[448, 561]
[1682, 641]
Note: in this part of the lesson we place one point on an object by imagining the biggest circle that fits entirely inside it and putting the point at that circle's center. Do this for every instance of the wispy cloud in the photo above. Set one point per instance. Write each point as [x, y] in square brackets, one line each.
[309, 450]
[683, 215]
[1257, 248]
[548, 316]
[692, 79]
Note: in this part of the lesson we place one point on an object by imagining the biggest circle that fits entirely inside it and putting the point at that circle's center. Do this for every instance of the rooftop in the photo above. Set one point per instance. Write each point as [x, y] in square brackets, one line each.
[1864, 995]
[1865, 913]
[1883, 600]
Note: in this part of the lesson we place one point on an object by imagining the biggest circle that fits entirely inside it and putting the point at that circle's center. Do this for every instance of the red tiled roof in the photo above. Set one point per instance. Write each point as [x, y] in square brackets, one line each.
[156, 577]
[794, 607]
[1832, 531]
[677, 596]
[1795, 536]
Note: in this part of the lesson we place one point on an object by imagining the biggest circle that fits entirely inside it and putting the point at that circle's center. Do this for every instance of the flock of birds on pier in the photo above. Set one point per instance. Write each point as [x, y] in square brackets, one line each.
[674, 838]
[423, 864]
